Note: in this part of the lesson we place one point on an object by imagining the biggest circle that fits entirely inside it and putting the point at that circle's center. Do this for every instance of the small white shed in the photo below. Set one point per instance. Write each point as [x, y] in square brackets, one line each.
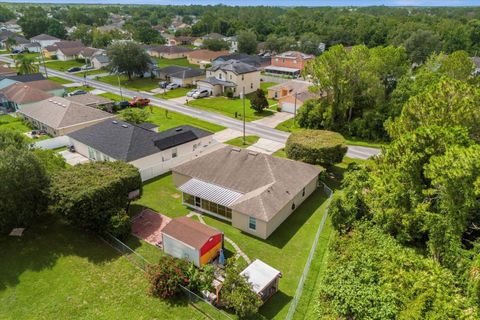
[264, 278]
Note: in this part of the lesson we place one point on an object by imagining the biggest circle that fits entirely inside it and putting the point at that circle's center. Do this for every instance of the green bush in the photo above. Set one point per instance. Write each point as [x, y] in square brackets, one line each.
[316, 147]
[120, 225]
[166, 277]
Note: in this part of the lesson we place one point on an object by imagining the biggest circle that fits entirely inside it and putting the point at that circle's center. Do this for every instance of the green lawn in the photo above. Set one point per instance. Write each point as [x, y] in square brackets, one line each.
[266, 85]
[139, 84]
[280, 153]
[286, 249]
[8, 122]
[175, 93]
[229, 107]
[113, 96]
[57, 272]
[59, 80]
[287, 126]
[238, 142]
[63, 65]
[79, 88]
[32, 55]
[162, 63]
[96, 71]
[167, 120]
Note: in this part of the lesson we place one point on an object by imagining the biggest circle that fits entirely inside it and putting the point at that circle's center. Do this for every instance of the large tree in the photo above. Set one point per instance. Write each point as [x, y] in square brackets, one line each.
[143, 32]
[247, 42]
[26, 64]
[421, 44]
[128, 58]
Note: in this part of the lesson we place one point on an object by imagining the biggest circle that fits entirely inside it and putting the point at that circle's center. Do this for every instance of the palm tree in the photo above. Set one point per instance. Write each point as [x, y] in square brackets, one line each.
[10, 42]
[25, 64]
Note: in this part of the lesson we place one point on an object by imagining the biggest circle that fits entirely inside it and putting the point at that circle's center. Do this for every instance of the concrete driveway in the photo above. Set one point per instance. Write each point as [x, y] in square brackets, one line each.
[73, 158]
[275, 119]
[266, 146]
[227, 134]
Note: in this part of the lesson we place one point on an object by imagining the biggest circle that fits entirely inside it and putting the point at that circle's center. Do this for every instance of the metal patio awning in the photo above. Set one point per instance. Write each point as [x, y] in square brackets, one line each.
[210, 192]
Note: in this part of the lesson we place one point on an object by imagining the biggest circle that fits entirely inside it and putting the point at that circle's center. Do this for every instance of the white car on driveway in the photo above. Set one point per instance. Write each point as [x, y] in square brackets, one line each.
[173, 86]
[191, 92]
[201, 94]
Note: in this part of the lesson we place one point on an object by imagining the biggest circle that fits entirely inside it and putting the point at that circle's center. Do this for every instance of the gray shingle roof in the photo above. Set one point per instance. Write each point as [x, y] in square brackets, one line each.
[188, 73]
[234, 66]
[124, 141]
[102, 58]
[44, 36]
[26, 77]
[214, 81]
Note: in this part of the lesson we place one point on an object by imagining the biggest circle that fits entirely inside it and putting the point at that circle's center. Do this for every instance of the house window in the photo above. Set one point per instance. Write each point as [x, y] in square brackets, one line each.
[243, 77]
[220, 76]
[293, 206]
[91, 153]
[303, 192]
[252, 223]
[251, 85]
[174, 153]
[230, 77]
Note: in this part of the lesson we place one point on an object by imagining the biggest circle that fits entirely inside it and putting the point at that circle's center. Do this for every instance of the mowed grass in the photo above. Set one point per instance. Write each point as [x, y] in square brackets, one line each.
[63, 65]
[286, 249]
[112, 96]
[138, 84]
[266, 85]
[175, 93]
[169, 119]
[183, 62]
[8, 122]
[57, 272]
[59, 80]
[229, 107]
[238, 142]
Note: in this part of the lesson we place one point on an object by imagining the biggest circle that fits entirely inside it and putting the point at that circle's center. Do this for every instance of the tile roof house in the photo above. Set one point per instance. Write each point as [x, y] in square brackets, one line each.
[44, 40]
[254, 191]
[19, 95]
[48, 86]
[167, 52]
[152, 152]
[230, 75]
[184, 76]
[59, 116]
[185, 238]
[203, 57]
[289, 63]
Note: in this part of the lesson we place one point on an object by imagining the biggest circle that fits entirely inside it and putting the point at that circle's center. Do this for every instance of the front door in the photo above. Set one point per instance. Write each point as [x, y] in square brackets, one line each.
[197, 202]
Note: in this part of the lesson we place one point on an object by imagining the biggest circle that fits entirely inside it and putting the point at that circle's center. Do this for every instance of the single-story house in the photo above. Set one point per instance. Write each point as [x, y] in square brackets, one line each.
[185, 238]
[20, 41]
[168, 52]
[33, 47]
[7, 72]
[293, 102]
[51, 50]
[91, 100]
[19, 95]
[288, 88]
[100, 61]
[25, 77]
[59, 116]
[184, 40]
[232, 76]
[256, 192]
[152, 152]
[203, 57]
[44, 40]
[263, 278]
[184, 76]
[67, 54]
[88, 53]
[48, 86]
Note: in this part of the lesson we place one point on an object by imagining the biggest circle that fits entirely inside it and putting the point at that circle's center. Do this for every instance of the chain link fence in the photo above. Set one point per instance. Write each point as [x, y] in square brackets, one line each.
[306, 269]
[199, 303]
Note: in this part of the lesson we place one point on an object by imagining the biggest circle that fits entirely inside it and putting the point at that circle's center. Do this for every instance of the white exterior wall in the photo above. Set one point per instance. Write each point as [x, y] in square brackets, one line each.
[180, 250]
[251, 80]
[46, 43]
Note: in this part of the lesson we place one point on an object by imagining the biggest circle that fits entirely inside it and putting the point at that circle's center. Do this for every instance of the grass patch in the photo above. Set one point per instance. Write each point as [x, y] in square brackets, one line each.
[229, 107]
[280, 153]
[138, 84]
[71, 89]
[169, 119]
[8, 122]
[63, 65]
[60, 272]
[96, 71]
[287, 126]
[183, 62]
[265, 85]
[238, 142]
[175, 93]
[112, 96]
[59, 80]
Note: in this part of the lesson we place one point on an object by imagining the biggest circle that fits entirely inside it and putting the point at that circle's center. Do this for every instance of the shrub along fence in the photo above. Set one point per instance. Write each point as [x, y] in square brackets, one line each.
[139, 261]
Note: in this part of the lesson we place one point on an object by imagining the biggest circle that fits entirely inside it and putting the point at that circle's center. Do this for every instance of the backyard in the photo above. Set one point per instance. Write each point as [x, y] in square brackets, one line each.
[8, 122]
[230, 107]
[57, 272]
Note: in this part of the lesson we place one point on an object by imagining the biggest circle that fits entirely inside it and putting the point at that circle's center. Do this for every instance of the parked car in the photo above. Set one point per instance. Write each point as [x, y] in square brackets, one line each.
[163, 84]
[17, 51]
[86, 67]
[201, 94]
[173, 86]
[191, 92]
[74, 69]
[122, 104]
[139, 102]
[76, 93]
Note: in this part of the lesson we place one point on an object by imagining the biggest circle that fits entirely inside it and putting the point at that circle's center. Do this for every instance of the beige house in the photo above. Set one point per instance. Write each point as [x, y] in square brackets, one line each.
[204, 57]
[152, 152]
[254, 191]
[91, 100]
[231, 75]
[288, 88]
[293, 102]
[59, 116]
[168, 52]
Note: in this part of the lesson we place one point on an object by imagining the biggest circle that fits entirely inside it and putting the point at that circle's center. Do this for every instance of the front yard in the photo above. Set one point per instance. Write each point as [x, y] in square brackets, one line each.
[183, 62]
[63, 65]
[238, 142]
[230, 107]
[286, 249]
[175, 93]
[138, 84]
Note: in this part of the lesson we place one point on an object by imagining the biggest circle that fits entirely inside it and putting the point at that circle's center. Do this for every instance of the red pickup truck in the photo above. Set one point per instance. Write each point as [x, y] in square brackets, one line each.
[139, 102]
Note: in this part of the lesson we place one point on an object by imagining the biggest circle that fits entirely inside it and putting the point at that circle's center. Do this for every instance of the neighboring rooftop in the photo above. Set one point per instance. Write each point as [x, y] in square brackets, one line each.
[266, 183]
[25, 77]
[207, 55]
[294, 55]
[45, 85]
[234, 66]
[128, 142]
[60, 113]
[169, 49]
[44, 36]
[292, 86]
[22, 93]
[102, 58]
[190, 232]
[260, 275]
[89, 99]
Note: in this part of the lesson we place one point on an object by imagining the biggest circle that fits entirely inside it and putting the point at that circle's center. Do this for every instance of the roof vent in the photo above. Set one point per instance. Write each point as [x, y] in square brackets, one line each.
[114, 122]
[124, 126]
[178, 129]
[253, 153]
[236, 149]
[50, 100]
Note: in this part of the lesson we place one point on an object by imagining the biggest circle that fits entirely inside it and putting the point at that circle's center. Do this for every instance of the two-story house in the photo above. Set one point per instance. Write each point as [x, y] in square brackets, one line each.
[232, 75]
[290, 63]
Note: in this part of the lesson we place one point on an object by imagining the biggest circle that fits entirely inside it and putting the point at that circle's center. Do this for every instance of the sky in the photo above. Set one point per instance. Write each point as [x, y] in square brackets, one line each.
[275, 2]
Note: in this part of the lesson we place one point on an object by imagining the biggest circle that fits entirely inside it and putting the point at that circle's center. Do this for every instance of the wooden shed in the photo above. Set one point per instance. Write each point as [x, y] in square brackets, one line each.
[188, 239]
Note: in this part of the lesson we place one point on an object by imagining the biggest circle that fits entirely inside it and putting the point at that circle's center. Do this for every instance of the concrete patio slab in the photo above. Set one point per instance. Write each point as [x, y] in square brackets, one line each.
[73, 158]
[275, 119]
[266, 146]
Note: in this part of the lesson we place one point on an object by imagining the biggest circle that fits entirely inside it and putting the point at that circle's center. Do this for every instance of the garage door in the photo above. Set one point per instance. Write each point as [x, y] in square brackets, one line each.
[288, 107]
[201, 86]
[177, 81]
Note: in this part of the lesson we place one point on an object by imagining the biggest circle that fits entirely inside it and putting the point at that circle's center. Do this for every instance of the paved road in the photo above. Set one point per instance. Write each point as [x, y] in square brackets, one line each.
[250, 127]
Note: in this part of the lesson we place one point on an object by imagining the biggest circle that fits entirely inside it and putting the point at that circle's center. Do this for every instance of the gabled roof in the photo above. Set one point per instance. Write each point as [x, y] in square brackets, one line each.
[89, 99]
[292, 86]
[214, 81]
[204, 54]
[253, 60]
[102, 58]
[128, 142]
[59, 113]
[63, 45]
[267, 183]
[234, 66]
[168, 49]
[188, 73]
[172, 69]
[71, 51]
[7, 34]
[25, 77]
[190, 232]
[45, 85]
[22, 93]
[44, 36]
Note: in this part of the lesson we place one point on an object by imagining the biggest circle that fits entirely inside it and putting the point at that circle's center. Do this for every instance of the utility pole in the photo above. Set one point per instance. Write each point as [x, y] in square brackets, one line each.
[295, 110]
[243, 99]
[120, 86]
[43, 61]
